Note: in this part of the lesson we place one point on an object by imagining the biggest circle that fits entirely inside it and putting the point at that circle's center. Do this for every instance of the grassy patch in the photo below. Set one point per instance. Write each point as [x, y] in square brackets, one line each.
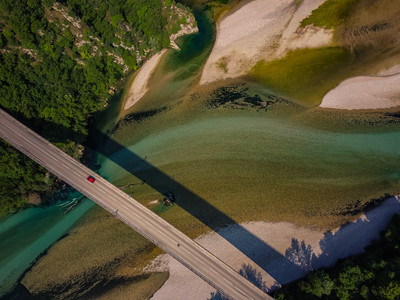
[372, 26]
[330, 14]
[219, 8]
[299, 2]
[177, 24]
[136, 288]
[223, 64]
[305, 75]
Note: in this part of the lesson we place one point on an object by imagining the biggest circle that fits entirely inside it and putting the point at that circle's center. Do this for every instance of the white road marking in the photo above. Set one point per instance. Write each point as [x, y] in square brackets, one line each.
[186, 250]
[146, 221]
[227, 281]
[123, 205]
[65, 166]
[212, 270]
[240, 291]
[33, 144]
[50, 155]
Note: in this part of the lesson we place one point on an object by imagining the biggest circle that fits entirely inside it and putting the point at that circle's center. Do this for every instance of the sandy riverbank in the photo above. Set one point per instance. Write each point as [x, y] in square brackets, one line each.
[139, 86]
[261, 29]
[298, 249]
[364, 92]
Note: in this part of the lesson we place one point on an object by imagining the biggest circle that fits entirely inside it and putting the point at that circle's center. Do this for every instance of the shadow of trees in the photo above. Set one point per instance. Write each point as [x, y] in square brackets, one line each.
[301, 254]
[251, 274]
[350, 239]
[370, 275]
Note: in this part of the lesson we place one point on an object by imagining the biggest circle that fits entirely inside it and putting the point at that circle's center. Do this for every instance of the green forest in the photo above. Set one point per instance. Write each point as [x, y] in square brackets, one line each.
[60, 62]
[372, 275]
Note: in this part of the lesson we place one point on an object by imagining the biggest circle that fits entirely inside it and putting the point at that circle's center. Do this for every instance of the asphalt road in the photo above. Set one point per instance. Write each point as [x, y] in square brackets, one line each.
[150, 225]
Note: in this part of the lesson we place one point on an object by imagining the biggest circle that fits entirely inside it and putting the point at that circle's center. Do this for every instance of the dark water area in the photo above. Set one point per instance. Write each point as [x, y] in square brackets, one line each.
[195, 48]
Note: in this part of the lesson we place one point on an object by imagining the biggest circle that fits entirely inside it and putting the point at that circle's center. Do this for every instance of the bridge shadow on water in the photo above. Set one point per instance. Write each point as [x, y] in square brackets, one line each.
[243, 240]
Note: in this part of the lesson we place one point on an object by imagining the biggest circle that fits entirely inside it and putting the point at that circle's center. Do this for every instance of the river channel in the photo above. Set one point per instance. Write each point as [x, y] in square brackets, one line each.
[247, 161]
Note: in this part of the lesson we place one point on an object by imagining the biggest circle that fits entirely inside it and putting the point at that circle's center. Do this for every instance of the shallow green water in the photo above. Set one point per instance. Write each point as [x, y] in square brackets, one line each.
[268, 165]
[27, 234]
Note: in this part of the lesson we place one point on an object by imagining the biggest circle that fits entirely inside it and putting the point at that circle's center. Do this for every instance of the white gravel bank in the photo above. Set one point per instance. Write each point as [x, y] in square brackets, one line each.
[261, 29]
[364, 93]
[288, 252]
[139, 85]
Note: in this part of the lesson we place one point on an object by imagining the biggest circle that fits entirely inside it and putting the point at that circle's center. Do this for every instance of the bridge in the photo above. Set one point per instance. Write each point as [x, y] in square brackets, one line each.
[196, 258]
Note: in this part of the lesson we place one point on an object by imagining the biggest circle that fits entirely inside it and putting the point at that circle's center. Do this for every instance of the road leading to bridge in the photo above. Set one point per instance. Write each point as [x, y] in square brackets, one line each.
[150, 225]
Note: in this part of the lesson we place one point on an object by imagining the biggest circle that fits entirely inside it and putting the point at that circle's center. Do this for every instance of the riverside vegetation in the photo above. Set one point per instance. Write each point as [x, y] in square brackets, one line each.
[61, 61]
[371, 275]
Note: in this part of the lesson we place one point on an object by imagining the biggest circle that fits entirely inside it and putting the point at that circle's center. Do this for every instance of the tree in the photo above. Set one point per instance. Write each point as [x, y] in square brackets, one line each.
[317, 283]
[390, 290]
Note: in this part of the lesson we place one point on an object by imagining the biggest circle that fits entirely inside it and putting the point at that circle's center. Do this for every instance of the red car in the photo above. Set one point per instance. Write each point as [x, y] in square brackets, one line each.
[91, 179]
